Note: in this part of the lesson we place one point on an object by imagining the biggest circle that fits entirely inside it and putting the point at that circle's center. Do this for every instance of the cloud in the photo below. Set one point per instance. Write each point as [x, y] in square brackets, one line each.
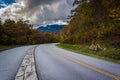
[11, 12]
[40, 12]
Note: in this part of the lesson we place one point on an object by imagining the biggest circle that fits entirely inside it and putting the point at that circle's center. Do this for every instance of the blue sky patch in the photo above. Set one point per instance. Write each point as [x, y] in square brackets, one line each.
[3, 3]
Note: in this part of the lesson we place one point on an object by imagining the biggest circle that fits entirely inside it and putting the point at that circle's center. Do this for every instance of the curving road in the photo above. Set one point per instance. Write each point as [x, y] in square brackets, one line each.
[10, 61]
[54, 63]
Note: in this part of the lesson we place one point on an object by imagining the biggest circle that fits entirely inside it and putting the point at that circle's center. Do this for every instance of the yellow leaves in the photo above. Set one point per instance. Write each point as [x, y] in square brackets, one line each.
[115, 14]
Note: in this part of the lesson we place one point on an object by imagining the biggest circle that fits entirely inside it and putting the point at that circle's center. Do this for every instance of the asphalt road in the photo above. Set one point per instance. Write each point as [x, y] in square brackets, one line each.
[10, 61]
[54, 63]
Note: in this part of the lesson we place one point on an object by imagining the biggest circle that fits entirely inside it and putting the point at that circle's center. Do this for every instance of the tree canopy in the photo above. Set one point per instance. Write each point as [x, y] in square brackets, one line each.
[21, 32]
[93, 20]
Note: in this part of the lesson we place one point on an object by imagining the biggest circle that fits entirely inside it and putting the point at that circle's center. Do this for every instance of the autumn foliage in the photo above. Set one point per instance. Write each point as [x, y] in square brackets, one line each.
[93, 20]
[22, 33]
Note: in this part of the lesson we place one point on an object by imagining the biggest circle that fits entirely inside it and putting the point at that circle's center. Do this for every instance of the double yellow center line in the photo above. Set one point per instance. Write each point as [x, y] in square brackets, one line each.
[85, 65]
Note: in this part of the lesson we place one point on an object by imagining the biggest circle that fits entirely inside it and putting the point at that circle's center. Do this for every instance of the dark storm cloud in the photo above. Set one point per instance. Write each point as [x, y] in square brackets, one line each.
[34, 3]
[38, 11]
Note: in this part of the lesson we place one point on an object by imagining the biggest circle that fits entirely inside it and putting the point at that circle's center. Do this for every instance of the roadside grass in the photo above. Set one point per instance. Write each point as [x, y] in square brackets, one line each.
[2, 47]
[110, 54]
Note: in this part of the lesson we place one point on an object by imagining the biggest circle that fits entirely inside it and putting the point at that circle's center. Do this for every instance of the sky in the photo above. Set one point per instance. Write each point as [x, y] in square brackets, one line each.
[39, 12]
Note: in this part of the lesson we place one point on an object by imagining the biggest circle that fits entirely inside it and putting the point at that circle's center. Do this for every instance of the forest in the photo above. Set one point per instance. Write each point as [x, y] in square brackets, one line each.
[93, 21]
[22, 33]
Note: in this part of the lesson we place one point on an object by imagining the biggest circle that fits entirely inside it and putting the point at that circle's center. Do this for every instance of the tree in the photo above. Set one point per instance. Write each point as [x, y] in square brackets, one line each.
[21, 33]
[1, 30]
[93, 20]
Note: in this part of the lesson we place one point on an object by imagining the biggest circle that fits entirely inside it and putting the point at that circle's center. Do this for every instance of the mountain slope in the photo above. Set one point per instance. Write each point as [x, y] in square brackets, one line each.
[51, 28]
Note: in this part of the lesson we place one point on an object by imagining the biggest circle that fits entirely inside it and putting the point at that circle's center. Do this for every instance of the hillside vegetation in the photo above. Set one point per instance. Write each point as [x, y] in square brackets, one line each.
[94, 22]
[22, 33]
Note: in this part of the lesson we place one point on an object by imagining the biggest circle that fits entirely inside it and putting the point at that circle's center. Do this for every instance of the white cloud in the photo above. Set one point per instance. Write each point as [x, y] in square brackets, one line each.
[38, 11]
[11, 12]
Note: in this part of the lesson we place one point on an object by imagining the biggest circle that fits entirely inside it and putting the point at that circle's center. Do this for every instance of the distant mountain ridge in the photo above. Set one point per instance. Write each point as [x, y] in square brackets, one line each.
[54, 28]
